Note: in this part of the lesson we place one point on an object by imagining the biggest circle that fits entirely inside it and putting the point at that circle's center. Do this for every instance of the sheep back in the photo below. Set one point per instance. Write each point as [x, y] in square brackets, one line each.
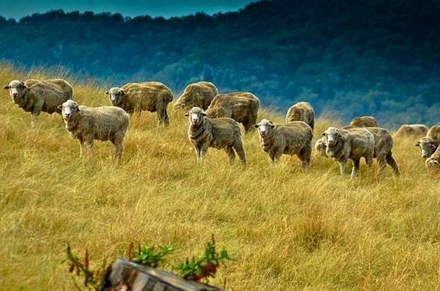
[198, 94]
[364, 121]
[146, 96]
[301, 111]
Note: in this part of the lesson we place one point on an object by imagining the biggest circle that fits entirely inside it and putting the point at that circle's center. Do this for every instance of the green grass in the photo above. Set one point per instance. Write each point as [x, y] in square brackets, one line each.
[287, 230]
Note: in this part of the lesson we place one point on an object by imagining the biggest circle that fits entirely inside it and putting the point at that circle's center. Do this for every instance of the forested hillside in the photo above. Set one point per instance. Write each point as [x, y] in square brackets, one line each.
[379, 57]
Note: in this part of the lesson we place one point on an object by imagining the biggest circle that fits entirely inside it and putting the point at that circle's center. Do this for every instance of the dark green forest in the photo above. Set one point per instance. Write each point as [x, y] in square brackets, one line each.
[352, 58]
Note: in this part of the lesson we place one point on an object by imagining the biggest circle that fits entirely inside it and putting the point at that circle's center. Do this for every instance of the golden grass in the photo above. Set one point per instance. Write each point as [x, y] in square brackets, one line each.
[288, 230]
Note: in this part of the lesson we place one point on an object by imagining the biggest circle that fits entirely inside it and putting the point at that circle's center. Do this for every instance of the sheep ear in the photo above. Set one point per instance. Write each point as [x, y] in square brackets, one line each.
[122, 92]
[273, 126]
[107, 92]
[323, 134]
[6, 87]
[417, 144]
[60, 107]
[204, 114]
[23, 85]
[186, 114]
[255, 126]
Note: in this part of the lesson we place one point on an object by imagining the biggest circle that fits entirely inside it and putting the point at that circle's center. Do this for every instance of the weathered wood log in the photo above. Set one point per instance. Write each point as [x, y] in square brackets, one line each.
[128, 276]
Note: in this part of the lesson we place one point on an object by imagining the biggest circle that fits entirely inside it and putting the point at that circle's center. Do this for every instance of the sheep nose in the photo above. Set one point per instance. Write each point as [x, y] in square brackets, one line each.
[14, 95]
[67, 115]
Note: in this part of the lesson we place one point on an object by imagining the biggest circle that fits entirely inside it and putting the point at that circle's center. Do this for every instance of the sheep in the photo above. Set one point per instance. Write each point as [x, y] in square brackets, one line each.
[364, 121]
[301, 111]
[138, 97]
[352, 143]
[220, 133]
[294, 138]
[383, 145]
[320, 147]
[433, 162]
[430, 142]
[37, 96]
[87, 124]
[196, 95]
[412, 130]
[242, 107]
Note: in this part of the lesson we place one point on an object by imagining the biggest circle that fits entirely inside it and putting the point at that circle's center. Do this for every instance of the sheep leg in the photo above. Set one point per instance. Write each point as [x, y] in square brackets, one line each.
[369, 161]
[392, 162]
[382, 163]
[202, 153]
[89, 144]
[162, 115]
[197, 150]
[305, 157]
[34, 118]
[276, 157]
[81, 147]
[230, 151]
[356, 165]
[117, 141]
[342, 164]
[240, 151]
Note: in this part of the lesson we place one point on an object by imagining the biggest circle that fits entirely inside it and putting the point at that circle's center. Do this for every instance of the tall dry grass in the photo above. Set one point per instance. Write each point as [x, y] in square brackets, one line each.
[288, 230]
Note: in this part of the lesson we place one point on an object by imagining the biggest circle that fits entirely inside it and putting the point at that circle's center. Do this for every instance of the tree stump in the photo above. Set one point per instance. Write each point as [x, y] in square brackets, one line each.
[128, 276]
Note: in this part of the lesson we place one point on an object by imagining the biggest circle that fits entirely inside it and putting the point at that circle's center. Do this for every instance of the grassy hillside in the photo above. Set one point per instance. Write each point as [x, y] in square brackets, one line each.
[288, 230]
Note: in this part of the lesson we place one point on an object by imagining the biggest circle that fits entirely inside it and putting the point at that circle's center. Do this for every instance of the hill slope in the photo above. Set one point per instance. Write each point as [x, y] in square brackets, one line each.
[355, 58]
[288, 230]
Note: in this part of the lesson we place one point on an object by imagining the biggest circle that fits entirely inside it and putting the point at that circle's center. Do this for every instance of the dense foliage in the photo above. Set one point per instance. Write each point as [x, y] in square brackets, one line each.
[379, 57]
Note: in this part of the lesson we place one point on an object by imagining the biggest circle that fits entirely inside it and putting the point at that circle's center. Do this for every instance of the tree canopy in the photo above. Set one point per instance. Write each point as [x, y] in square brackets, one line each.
[378, 57]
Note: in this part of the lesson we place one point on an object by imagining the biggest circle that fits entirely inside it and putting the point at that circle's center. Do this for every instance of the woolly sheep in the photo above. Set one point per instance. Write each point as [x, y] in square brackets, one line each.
[138, 97]
[412, 130]
[220, 133]
[433, 162]
[301, 111]
[196, 95]
[353, 143]
[242, 107]
[364, 121]
[37, 96]
[294, 138]
[430, 142]
[87, 124]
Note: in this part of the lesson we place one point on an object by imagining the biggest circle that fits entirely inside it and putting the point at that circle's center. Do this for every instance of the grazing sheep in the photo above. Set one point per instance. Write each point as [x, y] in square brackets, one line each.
[364, 121]
[147, 96]
[196, 95]
[433, 162]
[242, 107]
[301, 111]
[351, 143]
[220, 133]
[36, 96]
[412, 130]
[320, 147]
[383, 145]
[294, 138]
[430, 142]
[87, 124]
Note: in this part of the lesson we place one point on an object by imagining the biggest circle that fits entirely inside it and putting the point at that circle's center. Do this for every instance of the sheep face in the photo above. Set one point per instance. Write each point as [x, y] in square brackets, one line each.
[16, 90]
[265, 128]
[195, 116]
[331, 136]
[427, 146]
[69, 110]
[116, 95]
[433, 164]
[189, 98]
[320, 147]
